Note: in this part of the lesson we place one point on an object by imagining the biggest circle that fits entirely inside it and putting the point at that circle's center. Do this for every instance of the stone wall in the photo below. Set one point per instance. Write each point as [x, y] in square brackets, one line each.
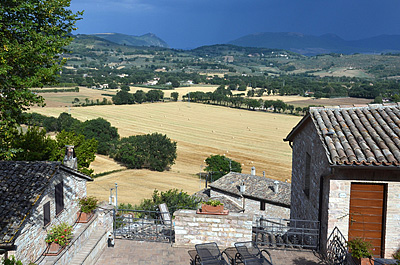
[225, 230]
[339, 203]
[30, 241]
[302, 206]
[252, 206]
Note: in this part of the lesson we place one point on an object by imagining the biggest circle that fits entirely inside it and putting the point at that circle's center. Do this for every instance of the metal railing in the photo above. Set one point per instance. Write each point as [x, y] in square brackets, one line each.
[336, 249]
[287, 233]
[143, 225]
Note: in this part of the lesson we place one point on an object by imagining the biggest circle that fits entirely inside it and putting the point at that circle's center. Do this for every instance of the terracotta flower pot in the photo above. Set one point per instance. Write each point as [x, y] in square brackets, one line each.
[212, 209]
[365, 261]
[54, 249]
[84, 217]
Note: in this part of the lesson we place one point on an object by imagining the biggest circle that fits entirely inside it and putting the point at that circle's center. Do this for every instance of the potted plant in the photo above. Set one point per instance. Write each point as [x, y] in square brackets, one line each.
[361, 251]
[396, 256]
[212, 206]
[57, 238]
[87, 207]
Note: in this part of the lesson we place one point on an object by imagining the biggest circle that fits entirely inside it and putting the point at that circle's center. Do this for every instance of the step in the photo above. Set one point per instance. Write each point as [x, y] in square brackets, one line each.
[91, 249]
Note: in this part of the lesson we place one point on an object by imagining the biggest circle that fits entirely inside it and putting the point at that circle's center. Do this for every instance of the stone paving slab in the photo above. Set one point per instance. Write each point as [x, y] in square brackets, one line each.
[149, 253]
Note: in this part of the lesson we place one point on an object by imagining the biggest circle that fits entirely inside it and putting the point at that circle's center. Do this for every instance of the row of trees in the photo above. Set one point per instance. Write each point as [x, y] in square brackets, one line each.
[98, 129]
[124, 97]
[153, 151]
[224, 97]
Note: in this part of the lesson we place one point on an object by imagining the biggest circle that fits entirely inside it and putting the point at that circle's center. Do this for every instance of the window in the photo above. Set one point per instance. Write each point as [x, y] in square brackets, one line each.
[59, 197]
[46, 213]
[262, 206]
[307, 178]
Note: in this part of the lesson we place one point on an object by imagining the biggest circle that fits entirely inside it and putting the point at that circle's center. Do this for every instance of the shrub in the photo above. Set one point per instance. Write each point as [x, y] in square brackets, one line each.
[396, 255]
[360, 248]
[60, 234]
[213, 202]
[88, 204]
[11, 261]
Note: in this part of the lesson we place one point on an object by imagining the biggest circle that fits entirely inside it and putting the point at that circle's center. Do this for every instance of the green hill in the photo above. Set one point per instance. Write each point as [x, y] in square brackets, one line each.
[147, 40]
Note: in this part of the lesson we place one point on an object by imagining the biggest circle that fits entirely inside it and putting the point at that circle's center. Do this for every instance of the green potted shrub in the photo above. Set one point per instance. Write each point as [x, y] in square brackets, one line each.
[57, 238]
[87, 206]
[361, 251]
[212, 206]
[396, 256]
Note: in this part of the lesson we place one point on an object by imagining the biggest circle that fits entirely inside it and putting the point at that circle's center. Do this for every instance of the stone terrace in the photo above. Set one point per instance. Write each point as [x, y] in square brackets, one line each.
[149, 253]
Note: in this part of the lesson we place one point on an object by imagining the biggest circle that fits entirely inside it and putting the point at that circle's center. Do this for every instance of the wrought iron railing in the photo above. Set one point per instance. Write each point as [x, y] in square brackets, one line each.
[336, 252]
[287, 233]
[143, 225]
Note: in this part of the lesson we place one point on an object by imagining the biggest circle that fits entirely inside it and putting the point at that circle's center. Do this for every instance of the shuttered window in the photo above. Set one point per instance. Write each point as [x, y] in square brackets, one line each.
[59, 197]
[46, 213]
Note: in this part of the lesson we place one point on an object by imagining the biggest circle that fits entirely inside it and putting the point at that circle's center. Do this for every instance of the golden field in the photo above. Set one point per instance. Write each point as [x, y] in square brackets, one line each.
[251, 138]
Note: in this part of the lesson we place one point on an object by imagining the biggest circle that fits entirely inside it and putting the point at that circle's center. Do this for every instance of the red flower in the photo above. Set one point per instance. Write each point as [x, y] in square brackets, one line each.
[62, 236]
[56, 239]
[65, 230]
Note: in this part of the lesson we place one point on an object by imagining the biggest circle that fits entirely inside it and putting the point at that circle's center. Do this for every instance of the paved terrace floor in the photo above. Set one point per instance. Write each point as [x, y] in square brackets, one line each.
[149, 253]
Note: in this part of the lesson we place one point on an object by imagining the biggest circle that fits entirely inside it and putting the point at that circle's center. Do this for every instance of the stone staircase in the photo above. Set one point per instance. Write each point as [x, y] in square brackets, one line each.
[92, 249]
[86, 246]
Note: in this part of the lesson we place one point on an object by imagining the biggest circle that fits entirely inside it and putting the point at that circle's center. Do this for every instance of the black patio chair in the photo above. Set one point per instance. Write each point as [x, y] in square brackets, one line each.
[230, 254]
[194, 258]
[249, 254]
[209, 254]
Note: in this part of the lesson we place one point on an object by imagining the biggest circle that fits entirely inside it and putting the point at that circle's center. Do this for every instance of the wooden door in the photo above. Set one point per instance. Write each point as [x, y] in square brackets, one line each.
[366, 220]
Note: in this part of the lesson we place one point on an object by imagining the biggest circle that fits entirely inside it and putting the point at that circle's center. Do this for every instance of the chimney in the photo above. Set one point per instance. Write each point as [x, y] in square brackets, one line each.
[242, 187]
[276, 186]
[253, 171]
[70, 159]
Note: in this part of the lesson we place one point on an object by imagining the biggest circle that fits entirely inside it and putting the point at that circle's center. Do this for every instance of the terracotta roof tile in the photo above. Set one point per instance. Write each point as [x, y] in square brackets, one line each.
[359, 135]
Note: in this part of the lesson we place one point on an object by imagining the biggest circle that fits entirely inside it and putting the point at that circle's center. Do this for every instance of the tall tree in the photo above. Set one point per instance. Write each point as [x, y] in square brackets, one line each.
[219, 166]
[154, 151]
[33, 34]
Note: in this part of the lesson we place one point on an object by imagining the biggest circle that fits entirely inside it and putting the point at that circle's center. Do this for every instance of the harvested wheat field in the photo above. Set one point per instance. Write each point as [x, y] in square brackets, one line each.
[64, 99]
[249, 137]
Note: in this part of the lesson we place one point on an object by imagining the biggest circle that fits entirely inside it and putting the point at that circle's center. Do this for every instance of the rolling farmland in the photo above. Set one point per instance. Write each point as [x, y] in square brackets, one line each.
[251, 138]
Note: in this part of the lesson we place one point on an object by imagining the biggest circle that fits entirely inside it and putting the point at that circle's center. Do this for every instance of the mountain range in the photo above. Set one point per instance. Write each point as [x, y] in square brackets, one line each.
[295, 42]
[313, 45]
[147, 40]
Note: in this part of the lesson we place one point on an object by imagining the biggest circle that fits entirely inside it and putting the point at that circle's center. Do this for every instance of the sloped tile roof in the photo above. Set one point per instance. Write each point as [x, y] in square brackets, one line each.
[257, 187]
[229, 204]
[21, 185]
[358, 135]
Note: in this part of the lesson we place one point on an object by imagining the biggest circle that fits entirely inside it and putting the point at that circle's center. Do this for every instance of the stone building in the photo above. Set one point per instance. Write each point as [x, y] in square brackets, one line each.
[253, 195]
[34, 196]
[346, 173]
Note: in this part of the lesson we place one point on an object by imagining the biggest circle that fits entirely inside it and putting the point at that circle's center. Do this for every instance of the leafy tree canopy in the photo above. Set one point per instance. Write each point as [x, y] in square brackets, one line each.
[154, 151]
[33, 34]
[34, 145]
[173, 198]
[85, 149]
[221, 165]
[102, 131]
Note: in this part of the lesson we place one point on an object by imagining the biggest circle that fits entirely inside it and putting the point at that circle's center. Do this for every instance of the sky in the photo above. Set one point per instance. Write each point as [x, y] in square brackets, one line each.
[193, 23]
